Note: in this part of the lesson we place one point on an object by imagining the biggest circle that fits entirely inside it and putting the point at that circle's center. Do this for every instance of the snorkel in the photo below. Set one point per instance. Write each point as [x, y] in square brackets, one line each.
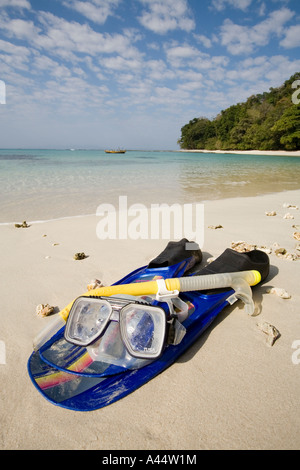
[164, 290]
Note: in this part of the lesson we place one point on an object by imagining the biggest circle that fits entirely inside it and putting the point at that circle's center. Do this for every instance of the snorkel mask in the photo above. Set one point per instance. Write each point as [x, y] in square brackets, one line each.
[142, 326]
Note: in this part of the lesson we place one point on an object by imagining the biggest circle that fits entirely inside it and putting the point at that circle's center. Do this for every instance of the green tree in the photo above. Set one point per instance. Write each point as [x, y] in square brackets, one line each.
[287, 128]
[266, 121]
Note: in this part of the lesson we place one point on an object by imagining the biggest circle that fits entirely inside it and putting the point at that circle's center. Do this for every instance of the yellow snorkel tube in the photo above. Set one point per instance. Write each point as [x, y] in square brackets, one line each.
[164, 289]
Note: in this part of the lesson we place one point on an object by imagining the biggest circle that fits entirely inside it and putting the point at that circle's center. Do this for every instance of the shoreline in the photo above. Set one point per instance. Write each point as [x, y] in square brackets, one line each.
[293, 153]
[193, 177]
[228, 380]
[147, 207]
[274, 153]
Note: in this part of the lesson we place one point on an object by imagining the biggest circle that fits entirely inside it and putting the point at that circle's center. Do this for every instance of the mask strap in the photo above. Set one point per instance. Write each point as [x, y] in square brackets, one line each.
[178, 308]
[179, 312]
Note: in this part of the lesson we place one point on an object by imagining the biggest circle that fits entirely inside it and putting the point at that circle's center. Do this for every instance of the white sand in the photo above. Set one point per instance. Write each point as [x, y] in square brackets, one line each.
[291, 153]
[229, 391]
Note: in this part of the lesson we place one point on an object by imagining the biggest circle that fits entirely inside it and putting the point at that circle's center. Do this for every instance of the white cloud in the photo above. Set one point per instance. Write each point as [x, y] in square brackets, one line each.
[203, 40]
[267, 71]
[16, 57]
[166, 96]
[188, 56]
[140, 91]
[156, 70]
[119, 63]
[95, 10]
[243, 39]
[18, 28]
[262, 9]
[68, 39]
[236, 38]
[69, 94]
[240, 4]
[15, 3]
[181, 55]
[190, 86]
[272, 25]
[166, 15]
[190, 75]
[44, 63]
[10, 48]
[292, 37]
[182, 52]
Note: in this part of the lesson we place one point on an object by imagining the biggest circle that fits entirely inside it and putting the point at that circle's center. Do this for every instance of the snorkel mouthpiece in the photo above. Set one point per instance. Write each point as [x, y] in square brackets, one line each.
[239, 281]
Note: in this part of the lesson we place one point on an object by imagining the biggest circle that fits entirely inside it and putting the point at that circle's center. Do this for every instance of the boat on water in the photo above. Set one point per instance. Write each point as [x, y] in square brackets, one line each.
[115, 151]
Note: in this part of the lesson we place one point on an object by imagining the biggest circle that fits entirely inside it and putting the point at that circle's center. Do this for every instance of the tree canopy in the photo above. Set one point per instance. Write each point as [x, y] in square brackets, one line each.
[266, 121]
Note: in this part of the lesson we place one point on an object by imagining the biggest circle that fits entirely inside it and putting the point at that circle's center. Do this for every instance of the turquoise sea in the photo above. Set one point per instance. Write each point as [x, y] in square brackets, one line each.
[47, 184]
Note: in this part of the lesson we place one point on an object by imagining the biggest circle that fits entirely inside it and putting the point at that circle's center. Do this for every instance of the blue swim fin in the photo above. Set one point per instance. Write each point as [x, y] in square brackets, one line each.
[67, 376]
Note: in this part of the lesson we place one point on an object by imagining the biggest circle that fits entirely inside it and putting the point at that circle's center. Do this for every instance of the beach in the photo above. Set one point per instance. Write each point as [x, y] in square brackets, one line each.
[97, 101]
[230, 390]
[292, 153]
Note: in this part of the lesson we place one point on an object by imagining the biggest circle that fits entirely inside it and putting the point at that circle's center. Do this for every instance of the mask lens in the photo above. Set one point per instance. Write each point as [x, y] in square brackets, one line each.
[143, 330]
[87, 319]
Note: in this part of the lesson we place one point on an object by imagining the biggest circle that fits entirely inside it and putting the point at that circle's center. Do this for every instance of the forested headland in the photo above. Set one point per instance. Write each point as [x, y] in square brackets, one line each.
[266, 121]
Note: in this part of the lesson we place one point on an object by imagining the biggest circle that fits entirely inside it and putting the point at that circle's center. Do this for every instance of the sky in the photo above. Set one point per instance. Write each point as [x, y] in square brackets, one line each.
[131, 73]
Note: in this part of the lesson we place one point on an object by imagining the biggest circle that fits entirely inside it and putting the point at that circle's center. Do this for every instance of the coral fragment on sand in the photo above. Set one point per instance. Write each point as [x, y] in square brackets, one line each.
[94, 284]
[271, 214]
[44, 310]
[78, 256]
[242, 246]
[23, 225]
[282, 293]
[290, 206]
[282, 253]
[271, 332]
[296, 235]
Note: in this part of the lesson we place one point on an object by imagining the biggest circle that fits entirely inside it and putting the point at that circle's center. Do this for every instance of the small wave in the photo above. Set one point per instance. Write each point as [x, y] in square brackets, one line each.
[14, 157]
[236, 183]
